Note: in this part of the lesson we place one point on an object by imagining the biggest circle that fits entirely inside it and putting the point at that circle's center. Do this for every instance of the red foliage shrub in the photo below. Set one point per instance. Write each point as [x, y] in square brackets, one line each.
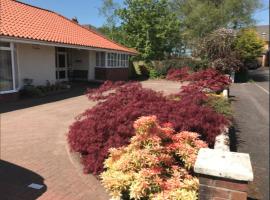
[205, 79]
[109, 123]
[98, 93]
[179, 74]
[192, 94]
[210, 79]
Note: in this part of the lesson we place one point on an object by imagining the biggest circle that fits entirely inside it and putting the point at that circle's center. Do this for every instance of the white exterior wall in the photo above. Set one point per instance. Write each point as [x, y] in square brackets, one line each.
[36, 62]
[92, 65]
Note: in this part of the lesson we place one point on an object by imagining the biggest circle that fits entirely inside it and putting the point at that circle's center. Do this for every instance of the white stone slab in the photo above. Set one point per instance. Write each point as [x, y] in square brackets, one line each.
[224, 164]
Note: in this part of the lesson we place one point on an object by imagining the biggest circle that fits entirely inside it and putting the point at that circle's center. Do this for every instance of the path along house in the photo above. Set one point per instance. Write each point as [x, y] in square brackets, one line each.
[44, 46]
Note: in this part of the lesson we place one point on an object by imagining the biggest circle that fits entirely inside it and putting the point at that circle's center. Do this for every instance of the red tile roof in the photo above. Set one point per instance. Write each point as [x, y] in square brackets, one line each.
[29, 22]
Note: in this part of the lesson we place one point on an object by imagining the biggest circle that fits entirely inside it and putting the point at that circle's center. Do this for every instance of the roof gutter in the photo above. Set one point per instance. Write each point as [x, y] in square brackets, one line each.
[55, 44]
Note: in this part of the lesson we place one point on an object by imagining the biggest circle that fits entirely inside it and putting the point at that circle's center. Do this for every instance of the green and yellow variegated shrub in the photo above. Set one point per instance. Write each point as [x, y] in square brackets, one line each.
[156, 165]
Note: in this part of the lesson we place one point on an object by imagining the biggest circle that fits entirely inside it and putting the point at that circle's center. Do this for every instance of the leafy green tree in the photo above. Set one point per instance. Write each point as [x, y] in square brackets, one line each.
[249, 44]
[110, 28]
[201, 17]
[108, 10]
[115, 33]
[150, 26]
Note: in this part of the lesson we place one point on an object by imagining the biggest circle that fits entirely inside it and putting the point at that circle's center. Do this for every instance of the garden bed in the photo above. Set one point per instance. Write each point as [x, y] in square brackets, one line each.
[197, 107]
[29, 90]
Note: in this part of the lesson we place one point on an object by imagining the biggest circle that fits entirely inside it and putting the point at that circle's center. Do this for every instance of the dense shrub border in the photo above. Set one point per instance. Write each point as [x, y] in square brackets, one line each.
[160, 68]
[109, 123]
[30, 90]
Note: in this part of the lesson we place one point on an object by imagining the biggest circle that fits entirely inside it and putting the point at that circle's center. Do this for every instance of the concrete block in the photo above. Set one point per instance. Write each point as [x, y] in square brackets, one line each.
[231, 165]
[232, 77]
[225, 93]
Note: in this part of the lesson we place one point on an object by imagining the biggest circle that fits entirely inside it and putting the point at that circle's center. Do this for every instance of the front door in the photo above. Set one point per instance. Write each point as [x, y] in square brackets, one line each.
[61, 66]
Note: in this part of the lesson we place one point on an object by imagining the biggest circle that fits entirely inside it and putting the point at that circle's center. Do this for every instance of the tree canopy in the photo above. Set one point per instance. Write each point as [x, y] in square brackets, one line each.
[249, 44]
[155, 28]
[150, 26]
[200, 17]
[108, 10]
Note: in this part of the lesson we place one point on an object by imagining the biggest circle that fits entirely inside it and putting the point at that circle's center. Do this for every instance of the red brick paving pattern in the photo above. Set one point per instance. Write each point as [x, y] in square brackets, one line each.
[34, 138]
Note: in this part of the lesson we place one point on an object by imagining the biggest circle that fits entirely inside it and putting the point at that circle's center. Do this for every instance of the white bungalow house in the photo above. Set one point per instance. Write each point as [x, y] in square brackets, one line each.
[42, 45]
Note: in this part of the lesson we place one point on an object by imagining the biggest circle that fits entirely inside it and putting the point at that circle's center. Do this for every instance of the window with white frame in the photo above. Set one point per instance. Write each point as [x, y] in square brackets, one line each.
[8, 70]
[100, 59]
[117, 60]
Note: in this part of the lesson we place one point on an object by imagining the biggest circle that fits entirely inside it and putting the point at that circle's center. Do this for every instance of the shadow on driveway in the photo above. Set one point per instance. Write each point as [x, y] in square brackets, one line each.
[77, 89]
[235, 131]
[235, 139]
[14, 182]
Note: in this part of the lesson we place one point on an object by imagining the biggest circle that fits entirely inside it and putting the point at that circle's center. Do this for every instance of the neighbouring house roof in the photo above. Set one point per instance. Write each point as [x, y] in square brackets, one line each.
[24, 21]
[263, 31]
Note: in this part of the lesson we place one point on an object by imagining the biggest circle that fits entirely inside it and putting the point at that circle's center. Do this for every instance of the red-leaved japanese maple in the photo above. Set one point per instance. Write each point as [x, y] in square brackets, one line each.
[179, 74]
[205, 79]
[110, 122]
[209, 79]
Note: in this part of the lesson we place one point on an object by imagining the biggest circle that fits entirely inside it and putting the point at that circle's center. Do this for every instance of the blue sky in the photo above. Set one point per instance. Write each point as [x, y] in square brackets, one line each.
[87, 10]
[262, 15]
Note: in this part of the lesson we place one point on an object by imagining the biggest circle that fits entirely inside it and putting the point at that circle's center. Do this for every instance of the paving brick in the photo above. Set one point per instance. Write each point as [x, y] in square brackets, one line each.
[223, 182]
[233, 185]
[206, 180]
[217, 198]
[214, 192]
[238, 195]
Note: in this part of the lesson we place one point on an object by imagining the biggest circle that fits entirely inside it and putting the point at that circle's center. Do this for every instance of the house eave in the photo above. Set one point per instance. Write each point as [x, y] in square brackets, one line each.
[55, 44]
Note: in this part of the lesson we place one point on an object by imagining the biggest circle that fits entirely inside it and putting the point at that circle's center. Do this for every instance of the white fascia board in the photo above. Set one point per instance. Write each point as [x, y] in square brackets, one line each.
[39, 42]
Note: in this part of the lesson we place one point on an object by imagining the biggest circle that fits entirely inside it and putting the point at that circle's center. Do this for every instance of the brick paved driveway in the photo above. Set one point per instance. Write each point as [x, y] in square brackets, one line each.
[33, 149]
[34, 138]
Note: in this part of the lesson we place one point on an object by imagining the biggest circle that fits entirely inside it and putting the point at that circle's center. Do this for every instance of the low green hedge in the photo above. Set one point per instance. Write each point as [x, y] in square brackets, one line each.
[39, 91]
[156, 69]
